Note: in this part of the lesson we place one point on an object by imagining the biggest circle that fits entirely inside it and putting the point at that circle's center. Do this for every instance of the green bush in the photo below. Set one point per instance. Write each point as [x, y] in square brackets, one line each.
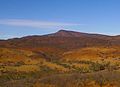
[99, 66]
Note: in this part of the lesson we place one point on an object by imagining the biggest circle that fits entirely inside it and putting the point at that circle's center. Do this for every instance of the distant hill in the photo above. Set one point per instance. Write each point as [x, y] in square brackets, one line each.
[55, 44]
[63, 39]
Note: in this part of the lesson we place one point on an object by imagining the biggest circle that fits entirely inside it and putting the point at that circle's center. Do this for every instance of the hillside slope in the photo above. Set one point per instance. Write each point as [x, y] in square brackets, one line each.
[54, 45]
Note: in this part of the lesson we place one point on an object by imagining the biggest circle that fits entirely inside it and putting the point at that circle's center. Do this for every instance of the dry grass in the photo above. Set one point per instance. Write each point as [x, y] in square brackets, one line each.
[93, 53]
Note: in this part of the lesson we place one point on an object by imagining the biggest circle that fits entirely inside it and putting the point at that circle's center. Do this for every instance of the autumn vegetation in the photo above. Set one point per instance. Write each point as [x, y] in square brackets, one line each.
[62, 59]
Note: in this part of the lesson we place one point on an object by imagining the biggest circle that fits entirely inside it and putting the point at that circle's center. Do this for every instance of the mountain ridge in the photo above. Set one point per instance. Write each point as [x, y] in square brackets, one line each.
[67, 33]
[63, 39]
[70, 33]
[73, 44]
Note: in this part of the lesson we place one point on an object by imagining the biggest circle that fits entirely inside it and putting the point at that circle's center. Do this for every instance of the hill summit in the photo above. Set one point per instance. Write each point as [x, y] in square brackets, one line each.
[67, 33]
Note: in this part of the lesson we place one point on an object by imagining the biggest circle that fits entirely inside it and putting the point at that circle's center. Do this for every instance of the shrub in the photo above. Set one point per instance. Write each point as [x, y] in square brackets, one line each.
[19, 63]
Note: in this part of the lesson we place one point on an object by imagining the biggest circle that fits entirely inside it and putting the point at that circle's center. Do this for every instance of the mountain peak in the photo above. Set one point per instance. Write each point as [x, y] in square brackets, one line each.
[63, 30]
[67, 33]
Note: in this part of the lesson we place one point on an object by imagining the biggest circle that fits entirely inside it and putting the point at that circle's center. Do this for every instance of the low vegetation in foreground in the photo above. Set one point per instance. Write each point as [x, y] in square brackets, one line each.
[54, 73]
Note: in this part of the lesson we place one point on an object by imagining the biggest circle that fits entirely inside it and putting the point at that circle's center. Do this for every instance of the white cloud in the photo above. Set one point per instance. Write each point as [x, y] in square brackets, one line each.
[37, 24]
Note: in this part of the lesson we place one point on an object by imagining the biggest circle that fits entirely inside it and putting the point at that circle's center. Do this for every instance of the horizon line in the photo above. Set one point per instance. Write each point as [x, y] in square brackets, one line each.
[91, 33]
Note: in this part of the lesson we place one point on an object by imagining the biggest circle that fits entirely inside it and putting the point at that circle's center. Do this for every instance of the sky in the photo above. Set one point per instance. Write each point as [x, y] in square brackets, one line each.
[20, 18]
